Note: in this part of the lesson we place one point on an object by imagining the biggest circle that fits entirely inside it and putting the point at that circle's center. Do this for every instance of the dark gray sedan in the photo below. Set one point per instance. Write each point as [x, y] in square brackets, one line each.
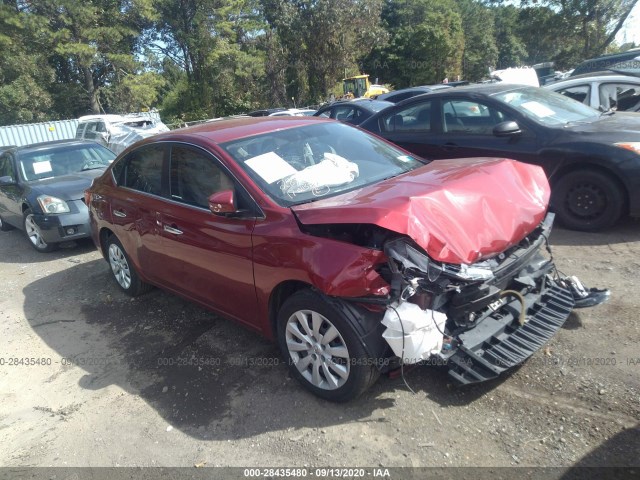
[42, 189]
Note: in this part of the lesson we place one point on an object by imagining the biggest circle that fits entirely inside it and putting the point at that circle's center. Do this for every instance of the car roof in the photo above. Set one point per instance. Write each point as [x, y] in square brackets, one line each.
[487, 89]
[368, 104]
[594, 77]
[230, 129]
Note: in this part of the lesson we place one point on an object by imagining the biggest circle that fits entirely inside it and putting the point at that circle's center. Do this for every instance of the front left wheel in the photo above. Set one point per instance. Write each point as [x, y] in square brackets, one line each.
[34, 234]
[322, 349]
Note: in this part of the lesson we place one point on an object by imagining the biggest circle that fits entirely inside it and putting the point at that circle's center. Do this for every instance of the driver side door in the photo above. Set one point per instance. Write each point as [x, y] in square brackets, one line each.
[208, 257]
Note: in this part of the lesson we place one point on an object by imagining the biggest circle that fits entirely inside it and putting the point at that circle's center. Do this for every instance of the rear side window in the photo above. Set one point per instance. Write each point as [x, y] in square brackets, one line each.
[413, 118]
[579, 93]
[142, 170]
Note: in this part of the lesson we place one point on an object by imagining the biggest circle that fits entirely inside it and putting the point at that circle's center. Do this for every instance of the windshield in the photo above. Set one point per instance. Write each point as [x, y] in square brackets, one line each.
[546, 107]
[303, 164]
[63, 160]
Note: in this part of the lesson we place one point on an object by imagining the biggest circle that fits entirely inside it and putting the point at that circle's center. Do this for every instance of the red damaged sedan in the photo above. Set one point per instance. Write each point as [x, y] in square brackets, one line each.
[355, 256]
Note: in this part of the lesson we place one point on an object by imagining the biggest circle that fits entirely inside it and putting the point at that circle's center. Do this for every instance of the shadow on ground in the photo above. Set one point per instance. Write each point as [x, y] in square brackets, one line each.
[627, 230]
[16, 249]
[209, 377]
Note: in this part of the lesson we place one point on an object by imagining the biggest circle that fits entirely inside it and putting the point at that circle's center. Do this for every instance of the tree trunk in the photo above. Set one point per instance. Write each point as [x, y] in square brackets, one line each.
[92, 91]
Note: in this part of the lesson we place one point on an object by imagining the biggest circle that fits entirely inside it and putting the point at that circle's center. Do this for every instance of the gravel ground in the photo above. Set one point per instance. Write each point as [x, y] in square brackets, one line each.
[157, 381]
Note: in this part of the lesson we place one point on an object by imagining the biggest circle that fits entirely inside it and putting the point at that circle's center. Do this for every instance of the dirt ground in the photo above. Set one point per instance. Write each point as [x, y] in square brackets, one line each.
[157, 381]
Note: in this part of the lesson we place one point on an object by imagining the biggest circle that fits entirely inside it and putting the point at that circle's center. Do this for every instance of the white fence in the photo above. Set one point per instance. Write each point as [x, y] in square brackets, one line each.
[30, 133]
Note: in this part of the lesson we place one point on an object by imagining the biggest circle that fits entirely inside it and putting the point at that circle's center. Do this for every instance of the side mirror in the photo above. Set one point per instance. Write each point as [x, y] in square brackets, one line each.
[222, 202]
[506, 129]
[7, 180]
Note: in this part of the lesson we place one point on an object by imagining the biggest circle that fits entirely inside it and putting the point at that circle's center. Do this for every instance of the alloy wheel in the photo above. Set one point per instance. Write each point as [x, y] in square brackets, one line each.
[119, 266]
[34, 234]
[317, 350]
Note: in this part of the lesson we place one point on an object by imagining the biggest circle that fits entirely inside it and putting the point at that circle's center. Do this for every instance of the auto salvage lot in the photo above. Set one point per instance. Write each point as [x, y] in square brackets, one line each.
[188, 388]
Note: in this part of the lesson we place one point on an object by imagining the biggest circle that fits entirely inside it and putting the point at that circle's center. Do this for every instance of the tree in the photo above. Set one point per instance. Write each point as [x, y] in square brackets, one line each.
[93, 41]
[512, 51]
[24, 74]
[426, 42]
[323, 40]
[480, 49]
[594, 22]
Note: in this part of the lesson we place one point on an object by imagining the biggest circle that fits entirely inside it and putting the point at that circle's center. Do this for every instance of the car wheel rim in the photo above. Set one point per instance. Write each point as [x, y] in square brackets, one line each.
[119, 266]
[586, 201]
[33, 232]
[317, 350]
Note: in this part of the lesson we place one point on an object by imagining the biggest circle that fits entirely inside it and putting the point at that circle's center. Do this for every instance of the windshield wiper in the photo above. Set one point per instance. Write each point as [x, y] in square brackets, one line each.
[93, 168]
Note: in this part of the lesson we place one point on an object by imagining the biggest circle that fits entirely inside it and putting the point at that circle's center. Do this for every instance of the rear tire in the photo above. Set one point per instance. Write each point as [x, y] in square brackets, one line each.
[322, 349]
[34, 235]
[123, 270]
[588, 200]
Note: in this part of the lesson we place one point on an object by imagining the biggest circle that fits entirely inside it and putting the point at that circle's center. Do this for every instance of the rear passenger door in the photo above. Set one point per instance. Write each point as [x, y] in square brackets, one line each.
[142, 179]
[208, 257]
[412, 127]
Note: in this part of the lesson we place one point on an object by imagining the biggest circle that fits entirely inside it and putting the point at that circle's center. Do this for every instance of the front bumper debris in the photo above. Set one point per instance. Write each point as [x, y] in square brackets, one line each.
[498, 344]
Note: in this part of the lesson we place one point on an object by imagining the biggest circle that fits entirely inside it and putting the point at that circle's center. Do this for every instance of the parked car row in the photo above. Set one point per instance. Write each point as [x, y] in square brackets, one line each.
[357, 253]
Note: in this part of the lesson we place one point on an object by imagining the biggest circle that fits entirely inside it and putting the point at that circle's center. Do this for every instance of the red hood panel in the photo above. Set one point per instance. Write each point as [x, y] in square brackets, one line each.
[459, 211]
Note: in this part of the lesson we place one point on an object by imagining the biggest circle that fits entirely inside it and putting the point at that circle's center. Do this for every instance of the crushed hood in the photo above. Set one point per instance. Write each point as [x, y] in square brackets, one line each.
[458, 211]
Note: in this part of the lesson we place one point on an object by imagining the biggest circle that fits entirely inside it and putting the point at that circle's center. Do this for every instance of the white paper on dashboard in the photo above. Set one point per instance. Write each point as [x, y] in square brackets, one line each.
[270, 167]
[538, 109]
[42, 167]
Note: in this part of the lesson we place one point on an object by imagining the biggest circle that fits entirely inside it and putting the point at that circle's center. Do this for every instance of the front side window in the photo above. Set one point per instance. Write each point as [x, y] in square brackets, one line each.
[619, 96]
[195, 177]
[300, 164]
[547, 107]
[6, 167]
[414, 118]
[142, 169]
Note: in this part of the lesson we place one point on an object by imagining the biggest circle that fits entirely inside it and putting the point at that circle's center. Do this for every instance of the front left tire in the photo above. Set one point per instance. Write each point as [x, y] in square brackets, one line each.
[322, 349]
[34, 234]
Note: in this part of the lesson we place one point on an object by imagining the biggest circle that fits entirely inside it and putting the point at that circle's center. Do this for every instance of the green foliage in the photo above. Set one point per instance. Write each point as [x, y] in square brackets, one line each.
[426, 43]
[198, 59]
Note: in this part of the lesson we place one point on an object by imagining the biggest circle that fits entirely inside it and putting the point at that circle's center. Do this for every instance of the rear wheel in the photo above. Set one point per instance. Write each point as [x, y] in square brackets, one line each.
[34, 234]
[588, 200]
[4, 227]
[123, 271]
[321, 348]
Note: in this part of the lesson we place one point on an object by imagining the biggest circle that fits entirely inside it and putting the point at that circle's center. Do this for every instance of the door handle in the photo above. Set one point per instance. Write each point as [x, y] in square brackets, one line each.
[119, 213]
[450, 146]
[172, 229]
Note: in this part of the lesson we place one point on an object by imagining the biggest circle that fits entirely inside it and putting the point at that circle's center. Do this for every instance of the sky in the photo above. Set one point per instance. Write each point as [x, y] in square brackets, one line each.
[631, 30]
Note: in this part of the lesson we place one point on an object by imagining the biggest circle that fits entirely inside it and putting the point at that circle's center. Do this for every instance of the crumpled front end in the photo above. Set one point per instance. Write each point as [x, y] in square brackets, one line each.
[479, 319]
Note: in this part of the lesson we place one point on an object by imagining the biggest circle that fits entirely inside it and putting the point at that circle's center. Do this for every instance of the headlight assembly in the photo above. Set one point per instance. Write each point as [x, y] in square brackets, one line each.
[52, 204]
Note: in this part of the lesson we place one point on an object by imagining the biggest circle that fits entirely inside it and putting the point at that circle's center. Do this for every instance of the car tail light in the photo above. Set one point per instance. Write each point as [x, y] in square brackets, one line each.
[87, 194]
